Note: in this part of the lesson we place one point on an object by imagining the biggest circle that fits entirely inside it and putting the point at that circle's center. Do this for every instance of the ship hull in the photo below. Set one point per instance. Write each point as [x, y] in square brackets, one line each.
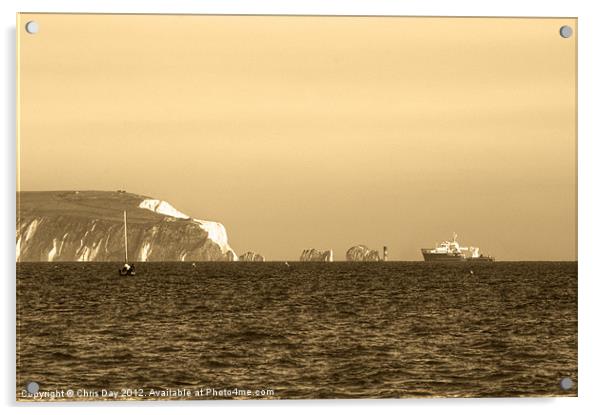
[432, 257]
[482, 259]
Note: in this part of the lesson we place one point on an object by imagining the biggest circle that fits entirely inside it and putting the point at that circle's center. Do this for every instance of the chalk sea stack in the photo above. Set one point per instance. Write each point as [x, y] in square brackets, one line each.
[361, 253]
[88, 226]
[315, 255]
[251, 257]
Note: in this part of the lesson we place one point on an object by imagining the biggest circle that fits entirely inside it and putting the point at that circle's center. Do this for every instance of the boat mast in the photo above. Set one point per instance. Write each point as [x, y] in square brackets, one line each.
[125, 234]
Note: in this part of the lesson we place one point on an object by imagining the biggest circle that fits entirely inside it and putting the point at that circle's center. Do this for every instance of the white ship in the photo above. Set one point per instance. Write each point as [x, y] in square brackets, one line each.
[452, 251]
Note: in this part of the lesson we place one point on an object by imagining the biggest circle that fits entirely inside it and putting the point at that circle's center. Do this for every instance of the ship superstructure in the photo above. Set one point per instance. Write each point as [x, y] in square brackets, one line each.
[452, 251]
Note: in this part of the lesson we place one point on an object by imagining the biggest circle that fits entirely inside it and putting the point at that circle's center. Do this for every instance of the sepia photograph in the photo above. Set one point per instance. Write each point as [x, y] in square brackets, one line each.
[264, 207]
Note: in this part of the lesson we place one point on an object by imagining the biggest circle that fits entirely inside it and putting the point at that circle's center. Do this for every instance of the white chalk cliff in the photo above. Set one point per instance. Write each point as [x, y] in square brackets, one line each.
[217, 231]
[88, 226]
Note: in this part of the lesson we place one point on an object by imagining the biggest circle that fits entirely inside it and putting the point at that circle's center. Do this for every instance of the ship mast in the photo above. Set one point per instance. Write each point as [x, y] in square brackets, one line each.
[125, 234]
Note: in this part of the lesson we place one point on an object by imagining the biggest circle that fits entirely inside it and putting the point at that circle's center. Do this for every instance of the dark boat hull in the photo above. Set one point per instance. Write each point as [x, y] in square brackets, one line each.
[123, 271]
[481, 259]
[428, 256]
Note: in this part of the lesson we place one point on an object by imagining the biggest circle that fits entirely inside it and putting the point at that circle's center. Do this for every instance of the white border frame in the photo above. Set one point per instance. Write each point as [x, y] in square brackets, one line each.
[589, 172]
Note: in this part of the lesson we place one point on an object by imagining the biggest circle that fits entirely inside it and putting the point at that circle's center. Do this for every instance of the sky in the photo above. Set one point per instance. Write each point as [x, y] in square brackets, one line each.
[314, 132]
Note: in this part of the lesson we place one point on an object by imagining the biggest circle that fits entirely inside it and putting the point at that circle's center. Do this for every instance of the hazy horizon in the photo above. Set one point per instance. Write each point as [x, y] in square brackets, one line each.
[314, 132]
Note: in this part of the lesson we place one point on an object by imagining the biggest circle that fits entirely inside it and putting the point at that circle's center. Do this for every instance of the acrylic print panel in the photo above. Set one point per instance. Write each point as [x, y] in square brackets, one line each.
[293, 207]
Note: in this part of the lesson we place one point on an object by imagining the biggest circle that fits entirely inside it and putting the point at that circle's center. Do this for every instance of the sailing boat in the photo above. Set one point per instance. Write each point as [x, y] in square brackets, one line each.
[126, 269]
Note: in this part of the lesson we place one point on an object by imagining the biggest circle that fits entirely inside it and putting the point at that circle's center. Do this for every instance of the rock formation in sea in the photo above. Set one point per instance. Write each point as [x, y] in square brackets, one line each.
[251, 257]
[315, 255]
[362, 253]
[88, 226]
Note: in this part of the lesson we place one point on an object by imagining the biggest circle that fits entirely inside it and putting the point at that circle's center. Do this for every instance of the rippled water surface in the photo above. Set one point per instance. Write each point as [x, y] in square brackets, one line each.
[314, 330]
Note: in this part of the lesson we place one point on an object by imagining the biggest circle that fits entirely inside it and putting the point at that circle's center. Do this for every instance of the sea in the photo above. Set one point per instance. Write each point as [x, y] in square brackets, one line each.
[299, 331]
